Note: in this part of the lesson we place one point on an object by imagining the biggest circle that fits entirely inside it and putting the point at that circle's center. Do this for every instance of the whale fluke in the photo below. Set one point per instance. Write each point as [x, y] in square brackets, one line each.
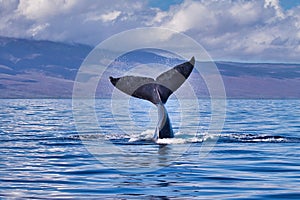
[172, 79]
[156, 91]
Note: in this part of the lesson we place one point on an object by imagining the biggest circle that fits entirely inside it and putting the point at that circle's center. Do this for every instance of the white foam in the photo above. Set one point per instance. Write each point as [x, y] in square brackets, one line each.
[182, 138]
[145, 135]
[178, 139]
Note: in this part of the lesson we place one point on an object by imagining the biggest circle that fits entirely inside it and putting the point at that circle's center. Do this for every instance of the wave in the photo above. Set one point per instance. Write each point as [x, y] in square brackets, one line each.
[255, 138]
[146, 137]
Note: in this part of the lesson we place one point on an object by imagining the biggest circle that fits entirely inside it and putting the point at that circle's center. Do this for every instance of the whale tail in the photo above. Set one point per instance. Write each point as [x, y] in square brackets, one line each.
[157, 91]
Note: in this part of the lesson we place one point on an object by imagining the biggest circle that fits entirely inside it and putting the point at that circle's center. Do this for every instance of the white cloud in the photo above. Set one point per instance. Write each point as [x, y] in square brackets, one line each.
[244, 30]
[107, 17]
[111, 16]
[34, 30]
[228, 29]
[275, 4]
[70, 20]
[40, 9]
[190, 14]
[158, 18]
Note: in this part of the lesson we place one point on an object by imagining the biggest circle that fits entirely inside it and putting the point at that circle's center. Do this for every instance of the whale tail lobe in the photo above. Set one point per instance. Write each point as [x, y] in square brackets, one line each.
[158, 90]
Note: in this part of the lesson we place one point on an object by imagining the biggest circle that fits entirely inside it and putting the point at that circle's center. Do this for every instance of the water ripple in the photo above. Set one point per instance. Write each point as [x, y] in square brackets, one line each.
[256, 156]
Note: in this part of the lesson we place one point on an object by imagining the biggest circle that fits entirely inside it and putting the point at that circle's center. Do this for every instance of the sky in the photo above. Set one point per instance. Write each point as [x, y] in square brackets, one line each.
[237, 30]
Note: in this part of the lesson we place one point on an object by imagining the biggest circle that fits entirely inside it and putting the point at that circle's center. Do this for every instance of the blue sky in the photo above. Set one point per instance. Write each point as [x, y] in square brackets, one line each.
[243, 30]
[288, 4]
[164, 5]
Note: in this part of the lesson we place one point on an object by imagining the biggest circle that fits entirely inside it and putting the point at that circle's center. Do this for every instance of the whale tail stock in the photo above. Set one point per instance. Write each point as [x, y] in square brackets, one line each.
[157, 91]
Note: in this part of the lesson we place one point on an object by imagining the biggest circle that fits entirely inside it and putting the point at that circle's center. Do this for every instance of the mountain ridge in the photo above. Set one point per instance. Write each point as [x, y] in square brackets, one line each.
[47, 69]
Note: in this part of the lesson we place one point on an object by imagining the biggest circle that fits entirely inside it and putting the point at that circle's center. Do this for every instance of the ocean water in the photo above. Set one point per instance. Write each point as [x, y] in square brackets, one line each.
[256, 156]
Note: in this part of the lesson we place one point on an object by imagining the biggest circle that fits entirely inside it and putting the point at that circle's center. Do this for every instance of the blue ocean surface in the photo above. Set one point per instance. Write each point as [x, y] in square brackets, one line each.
[255, 156]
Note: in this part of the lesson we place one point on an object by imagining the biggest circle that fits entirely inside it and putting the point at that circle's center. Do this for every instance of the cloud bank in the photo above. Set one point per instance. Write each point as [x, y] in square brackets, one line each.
[245, 30]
